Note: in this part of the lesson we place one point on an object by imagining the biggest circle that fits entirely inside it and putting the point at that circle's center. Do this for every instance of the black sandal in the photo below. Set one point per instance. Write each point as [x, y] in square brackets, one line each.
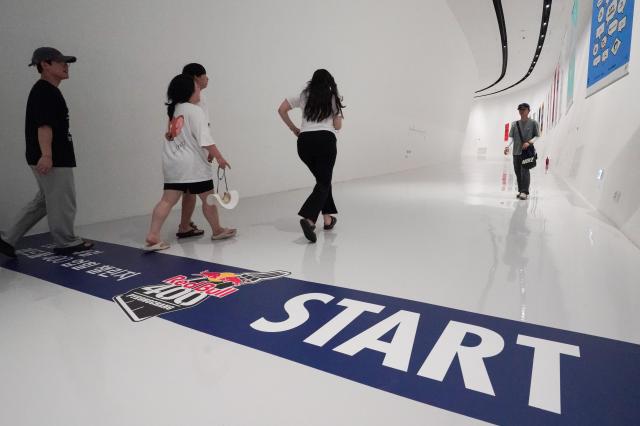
[193, 232]
[334, 220]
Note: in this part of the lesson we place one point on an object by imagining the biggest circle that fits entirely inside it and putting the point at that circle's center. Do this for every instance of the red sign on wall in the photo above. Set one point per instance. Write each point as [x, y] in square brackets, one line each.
[506, 132]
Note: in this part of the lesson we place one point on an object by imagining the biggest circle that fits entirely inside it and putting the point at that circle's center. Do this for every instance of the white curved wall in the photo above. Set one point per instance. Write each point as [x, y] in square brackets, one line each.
[601, 132]
[400, 65]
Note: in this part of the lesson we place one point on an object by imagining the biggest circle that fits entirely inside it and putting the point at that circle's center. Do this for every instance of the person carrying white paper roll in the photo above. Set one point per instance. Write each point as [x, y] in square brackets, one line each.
[186, 159]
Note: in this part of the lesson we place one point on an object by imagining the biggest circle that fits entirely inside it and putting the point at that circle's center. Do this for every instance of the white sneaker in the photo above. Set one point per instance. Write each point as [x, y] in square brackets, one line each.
[523, 196]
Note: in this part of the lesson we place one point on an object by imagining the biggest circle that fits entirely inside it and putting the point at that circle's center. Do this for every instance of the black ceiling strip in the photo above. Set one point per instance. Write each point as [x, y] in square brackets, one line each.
[544, 24]
[497, 5]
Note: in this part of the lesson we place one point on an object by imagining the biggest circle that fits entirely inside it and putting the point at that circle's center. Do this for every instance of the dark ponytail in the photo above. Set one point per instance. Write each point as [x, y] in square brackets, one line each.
[180, 91]
[321, 95]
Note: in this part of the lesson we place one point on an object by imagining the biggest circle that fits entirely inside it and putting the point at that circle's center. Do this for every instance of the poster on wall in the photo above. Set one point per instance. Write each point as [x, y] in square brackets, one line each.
[553, 99]
[560, 94]
[570, 79]
[539, 120]
[552, 111]
[610, 43]
[549, 112]
[573, 30]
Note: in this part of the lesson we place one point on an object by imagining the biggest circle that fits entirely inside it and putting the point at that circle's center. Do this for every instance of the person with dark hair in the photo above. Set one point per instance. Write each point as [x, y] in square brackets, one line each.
[187, 228]
[522, 134]
[186, 161]
[321, 106]
[51, 157]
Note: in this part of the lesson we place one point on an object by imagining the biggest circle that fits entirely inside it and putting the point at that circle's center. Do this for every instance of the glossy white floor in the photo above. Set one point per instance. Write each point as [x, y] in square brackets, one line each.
[449, 235]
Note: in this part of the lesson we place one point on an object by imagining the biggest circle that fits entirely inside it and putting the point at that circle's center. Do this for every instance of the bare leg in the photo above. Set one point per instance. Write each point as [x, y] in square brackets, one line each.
[160, 213]
[188, 207]
[211, 214]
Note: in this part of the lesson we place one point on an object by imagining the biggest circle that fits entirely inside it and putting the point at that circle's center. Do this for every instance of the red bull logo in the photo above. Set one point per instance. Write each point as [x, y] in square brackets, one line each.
[222, 277]
[181, 292]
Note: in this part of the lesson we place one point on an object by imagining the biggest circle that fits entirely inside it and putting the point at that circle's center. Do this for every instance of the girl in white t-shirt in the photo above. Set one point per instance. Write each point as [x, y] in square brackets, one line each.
[321, 107]
[186, 227]
[186, 161]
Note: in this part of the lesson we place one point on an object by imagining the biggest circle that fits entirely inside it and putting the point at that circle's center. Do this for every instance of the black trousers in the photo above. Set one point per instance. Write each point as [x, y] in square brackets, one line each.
[318, 151]
[522, 175]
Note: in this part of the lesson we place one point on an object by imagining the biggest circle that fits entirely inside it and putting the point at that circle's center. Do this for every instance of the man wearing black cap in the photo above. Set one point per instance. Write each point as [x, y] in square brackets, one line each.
[49, 152]
[522, 134]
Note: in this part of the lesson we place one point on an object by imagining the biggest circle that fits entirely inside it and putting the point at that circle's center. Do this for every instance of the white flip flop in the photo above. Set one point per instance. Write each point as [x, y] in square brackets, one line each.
[228, 233]
[162, 245]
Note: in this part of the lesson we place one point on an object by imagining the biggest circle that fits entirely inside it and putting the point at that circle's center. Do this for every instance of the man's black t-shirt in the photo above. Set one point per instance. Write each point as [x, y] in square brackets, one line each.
[46, 107]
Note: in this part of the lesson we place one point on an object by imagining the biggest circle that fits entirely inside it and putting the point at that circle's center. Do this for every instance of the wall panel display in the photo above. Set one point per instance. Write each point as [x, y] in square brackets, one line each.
[554, 113]
[572, 53]
[610, 45]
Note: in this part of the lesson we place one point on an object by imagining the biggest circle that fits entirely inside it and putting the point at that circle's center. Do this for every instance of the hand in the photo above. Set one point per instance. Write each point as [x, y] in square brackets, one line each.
[222, 163]
[44, 165]
[506, 150]
[525, 145]
[167, 136]
[296, 131]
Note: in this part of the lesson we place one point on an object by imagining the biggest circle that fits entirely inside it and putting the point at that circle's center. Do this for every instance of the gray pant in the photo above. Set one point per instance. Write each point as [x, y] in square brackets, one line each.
[522, 175]
[56, 199]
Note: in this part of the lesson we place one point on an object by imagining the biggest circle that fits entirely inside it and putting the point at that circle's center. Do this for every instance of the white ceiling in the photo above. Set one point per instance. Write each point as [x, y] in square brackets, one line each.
[477, 18]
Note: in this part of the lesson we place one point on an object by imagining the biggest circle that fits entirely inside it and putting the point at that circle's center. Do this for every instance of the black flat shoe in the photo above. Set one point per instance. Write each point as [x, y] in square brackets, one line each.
[334, 220]
[7, 249]
[84, 245]
[307, 228]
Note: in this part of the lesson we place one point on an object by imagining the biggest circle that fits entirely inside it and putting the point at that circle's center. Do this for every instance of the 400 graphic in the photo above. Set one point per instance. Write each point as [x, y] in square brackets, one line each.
[179, 292]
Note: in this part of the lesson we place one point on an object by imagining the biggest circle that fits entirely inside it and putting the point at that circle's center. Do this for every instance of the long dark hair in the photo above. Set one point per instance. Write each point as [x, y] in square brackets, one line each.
[321, 93]
[180, 90]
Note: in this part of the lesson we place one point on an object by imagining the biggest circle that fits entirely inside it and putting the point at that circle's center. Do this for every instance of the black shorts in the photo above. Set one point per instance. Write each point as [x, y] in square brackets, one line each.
[192, 187]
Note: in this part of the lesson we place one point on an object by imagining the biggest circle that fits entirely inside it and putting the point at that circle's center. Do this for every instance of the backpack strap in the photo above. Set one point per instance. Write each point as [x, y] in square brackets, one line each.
[519, 131]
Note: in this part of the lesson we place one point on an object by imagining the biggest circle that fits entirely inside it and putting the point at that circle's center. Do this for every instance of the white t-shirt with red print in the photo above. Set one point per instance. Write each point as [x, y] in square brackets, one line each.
[184, 160]
[203, 104]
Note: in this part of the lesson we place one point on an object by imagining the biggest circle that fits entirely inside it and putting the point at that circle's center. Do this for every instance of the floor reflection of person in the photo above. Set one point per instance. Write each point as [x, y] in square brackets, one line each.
[515, 248]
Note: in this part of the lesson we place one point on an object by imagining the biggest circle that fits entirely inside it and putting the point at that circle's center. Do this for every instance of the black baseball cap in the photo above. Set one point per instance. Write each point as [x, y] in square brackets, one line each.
[523, 106]
[49, 54]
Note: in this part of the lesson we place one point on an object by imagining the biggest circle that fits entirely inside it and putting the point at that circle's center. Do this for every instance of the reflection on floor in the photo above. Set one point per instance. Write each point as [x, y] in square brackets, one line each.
[453, 236]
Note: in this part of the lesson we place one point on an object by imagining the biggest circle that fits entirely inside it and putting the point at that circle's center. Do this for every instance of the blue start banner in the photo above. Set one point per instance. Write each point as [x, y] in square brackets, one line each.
[488, 368]
[610, 43]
